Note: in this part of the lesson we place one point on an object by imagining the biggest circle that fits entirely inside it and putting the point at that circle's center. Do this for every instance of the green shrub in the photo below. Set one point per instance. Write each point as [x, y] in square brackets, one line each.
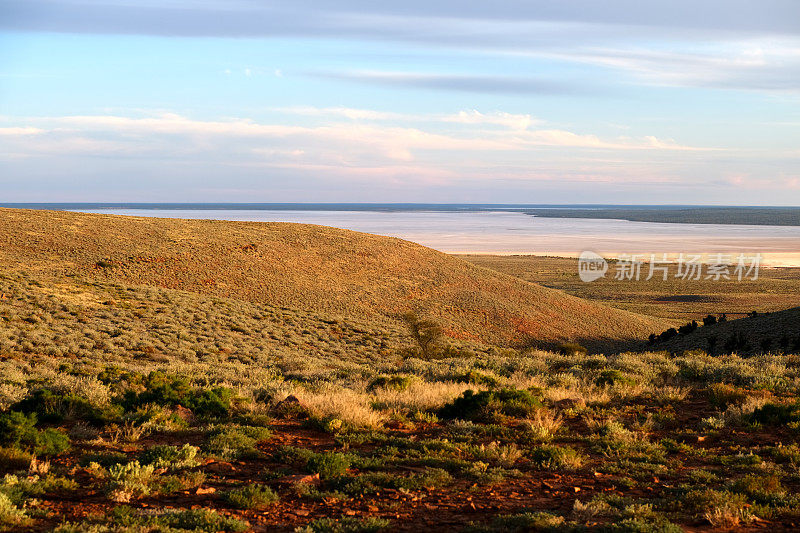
[19, 430]
[722, 395]
[488, 405]
[477, 378]
[572, 348]
[13, 459]
[761, 488]
[104, 459]
[374, 482]
[328, 464]
[169, 483]
[55, 406]
[251, 497]
[206, 520]
[777, 414]
[171, 390]
[523, 522]
[611, 376]
[130, 480]
[170, 457]
[639, 525]
[397, 383]
[235, 442]
[557, 457]
[345, 524]
[10, 515]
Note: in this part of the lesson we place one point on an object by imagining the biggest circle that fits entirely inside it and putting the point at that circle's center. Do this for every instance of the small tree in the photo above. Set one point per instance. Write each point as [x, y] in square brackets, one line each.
[426, 333]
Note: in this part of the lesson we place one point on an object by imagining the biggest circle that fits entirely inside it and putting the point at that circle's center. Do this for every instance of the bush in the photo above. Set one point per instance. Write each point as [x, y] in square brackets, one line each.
[236, 442]
[524, 522]
[374, 482]
[760, 487]
[777, 414]
[170, 457]
[572, 348]
[345, 524]
[328, 464]
[13, 459]
[427, 334]
[54, 406]
[611, 376]
[557, 458]
[170, 390]
[722, 395]
[10, 515]
[251, 497]
[19, 430]
[488, 405]
[477, 378]
[131, 480]
[397, 383]
[206, 520]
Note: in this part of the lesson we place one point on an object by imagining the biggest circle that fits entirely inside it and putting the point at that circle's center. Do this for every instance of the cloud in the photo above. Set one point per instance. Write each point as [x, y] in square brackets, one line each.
[460, 82]
[362, 18]
[763, 65]
[392, 140]
[499, 118]
[342, 112]
[738, 44]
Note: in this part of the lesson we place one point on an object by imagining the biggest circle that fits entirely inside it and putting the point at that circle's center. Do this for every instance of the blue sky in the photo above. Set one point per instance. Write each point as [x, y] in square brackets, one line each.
[509, 101]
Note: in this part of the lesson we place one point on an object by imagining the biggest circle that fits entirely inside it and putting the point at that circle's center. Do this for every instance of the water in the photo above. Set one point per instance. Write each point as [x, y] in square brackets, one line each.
[483, 230]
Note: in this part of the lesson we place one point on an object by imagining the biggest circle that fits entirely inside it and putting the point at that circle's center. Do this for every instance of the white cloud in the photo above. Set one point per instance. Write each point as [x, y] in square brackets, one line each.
[509, 120]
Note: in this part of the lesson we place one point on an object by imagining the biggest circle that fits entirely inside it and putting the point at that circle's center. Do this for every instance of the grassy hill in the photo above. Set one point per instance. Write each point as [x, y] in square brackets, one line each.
[761, 333]
[314, 268]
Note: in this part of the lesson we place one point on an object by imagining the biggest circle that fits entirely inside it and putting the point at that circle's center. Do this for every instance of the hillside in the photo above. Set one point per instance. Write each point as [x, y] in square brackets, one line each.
[314, 268]
[765, 332]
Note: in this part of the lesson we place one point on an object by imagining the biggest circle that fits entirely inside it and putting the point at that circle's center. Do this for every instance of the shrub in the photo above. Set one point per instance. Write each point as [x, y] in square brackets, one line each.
[236, 442]
[170, 457]
[328, 464]
[13, 459]
[397, 383]
[760, 487]
[427, 334]
[167, 484]
[722, 394]
[557, 458]
[206, 520]
[477, 378]
[640, 525]
[611, 376]
[524, 522]
[127, 481]
[251, 497]
[19, 430]
[170, 390]
[10, 515]
[488, 405]
[345, 524]
[571, 349]
[777, 414]
[54, 406]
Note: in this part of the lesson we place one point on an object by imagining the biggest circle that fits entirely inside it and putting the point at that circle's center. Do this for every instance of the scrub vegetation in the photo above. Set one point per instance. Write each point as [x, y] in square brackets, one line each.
[136, 408]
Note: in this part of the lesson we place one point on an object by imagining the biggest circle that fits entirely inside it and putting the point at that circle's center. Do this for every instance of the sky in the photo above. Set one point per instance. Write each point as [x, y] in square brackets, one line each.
[509, 101]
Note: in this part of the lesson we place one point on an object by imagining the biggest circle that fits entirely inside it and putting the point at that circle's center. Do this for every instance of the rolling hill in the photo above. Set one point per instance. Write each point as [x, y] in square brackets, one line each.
[313, 268]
